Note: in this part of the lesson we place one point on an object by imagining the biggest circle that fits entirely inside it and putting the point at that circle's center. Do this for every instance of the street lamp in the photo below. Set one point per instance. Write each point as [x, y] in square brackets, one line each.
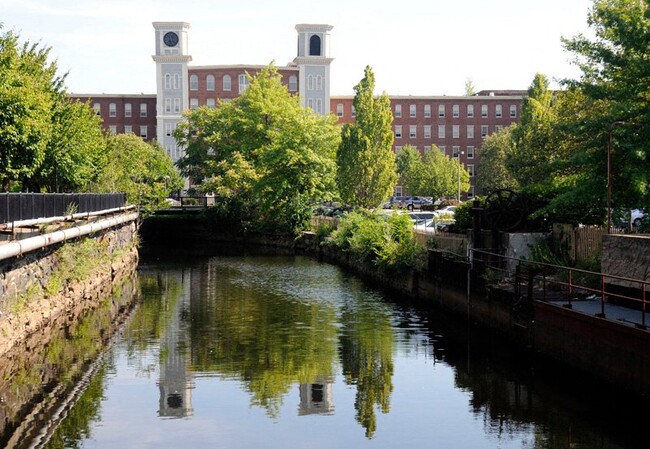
[609, 169]
[459, 154]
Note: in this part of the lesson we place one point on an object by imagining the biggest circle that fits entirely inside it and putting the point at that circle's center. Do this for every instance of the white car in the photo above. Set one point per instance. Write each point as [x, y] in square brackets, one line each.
[447, 210]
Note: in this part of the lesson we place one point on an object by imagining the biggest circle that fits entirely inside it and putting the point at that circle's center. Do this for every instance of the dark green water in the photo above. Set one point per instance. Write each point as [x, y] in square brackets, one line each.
[287, 352]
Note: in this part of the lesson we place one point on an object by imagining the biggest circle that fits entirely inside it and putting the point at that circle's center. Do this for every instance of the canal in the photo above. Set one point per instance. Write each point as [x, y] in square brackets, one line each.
[260, 351]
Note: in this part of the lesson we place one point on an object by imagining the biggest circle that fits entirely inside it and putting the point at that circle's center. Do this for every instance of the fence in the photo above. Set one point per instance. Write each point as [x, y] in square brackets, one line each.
[582, 244]
[452, 243]
[27, 206]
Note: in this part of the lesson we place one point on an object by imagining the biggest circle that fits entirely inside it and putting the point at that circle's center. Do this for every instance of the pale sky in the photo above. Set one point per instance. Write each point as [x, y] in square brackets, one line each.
[415, 47]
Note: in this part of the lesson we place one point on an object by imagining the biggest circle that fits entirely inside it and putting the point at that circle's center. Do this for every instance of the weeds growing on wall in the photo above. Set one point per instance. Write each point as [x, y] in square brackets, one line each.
[387, 242]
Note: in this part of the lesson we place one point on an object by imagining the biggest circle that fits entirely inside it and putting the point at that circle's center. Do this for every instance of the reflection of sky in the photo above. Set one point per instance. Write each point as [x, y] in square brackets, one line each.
[425, 409]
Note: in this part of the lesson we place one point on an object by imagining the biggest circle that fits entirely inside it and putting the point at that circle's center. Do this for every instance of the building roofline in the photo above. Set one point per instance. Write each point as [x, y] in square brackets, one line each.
[105, 95]
[239, 66]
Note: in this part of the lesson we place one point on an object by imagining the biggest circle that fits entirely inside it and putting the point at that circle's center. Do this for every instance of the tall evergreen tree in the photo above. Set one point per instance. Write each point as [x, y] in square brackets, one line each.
[367, 170]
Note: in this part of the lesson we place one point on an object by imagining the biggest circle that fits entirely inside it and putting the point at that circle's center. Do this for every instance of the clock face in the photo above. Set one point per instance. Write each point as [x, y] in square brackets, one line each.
[170, 39]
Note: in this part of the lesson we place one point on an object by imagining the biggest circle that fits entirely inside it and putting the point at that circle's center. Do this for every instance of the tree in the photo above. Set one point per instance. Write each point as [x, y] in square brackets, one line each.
[411, 170]
[142, 170]
[28, 84]
[367, 172]
[445, 176]
[470, 90]
[262, 154]
[75, 152]
[615, 82]
[494, 173]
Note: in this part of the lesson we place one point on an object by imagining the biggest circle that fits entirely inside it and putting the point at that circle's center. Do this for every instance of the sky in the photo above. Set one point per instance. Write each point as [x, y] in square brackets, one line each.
[414, 47]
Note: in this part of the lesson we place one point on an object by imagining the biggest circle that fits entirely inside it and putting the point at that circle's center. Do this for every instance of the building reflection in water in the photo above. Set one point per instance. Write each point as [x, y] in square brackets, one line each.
[316, 398]
[176, 382]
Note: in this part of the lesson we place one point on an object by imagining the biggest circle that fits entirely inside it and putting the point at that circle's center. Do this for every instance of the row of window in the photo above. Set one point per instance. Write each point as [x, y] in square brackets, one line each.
[128, 109]
[455, 111]
[144, 130]
[173, 82]
[442, 131]
[469, 150]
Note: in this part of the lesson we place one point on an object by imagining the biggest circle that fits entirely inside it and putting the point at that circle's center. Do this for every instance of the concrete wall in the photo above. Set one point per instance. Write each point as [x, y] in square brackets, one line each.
[626, 256]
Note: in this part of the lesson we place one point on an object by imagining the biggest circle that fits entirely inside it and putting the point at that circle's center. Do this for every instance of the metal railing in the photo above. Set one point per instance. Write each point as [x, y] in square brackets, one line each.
[27, 206]
[566, 283]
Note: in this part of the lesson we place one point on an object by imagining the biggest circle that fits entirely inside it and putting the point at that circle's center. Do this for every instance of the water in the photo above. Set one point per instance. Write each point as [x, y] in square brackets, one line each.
[285, 352]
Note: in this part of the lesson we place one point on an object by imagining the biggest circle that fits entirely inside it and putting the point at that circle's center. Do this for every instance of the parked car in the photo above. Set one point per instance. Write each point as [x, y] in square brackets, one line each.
[447, 210]
[408, 202]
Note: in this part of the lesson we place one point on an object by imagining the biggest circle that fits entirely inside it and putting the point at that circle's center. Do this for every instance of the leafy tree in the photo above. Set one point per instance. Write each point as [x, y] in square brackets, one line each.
[494, 173]
[262, 154]
[615, 81]
[469, 88]
[28, 83]
[411, 170]
[75, 153]
[142, 170]
[366, 162]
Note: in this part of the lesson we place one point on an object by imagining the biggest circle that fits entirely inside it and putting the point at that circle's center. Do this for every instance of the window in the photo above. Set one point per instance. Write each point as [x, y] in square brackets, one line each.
[398, 131]
[427, 131]
[398, 111]
[227, 83]
[194, 82]
[143, 131]
[443, 149]
[455, 151]
[177, 105]
[513, 111]
[339, 110]
[441, 131]
[498, 112]
[209, 83]
[497, 128]
[194, 103]
[354, 111]
[470, 152]
[455, 110]
[128, 129]
[470, 131]
[455, 131]
[293, 83]
[484, 110]
[470, 169]
[427, 111]
[98, 108]
[168, 105]
[176, 81]
[484, 131]
[127, 109]
[210, 102]
[168, 81]
[319, 105]
[113, 129]
[143, 109]
[427, 148]
[413, 131]
[470, 193]
[412, 111]
[470, 111]
[441, 110]
[168, 129]
[319, 83]
[243, 83]
[310, 103]
[310, 82]
[398, 149]
[314, 45]
[112, 110]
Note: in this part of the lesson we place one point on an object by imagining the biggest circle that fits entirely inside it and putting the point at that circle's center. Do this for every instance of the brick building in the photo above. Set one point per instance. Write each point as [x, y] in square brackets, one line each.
[456, 125]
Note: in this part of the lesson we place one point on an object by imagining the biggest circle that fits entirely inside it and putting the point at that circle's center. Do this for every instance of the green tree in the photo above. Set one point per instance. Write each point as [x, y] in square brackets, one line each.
[445, 176]
[615, 81]
[367, 170]
[494, 173]
[469, 87]
[411, 170]
[142, 170]
[75, 153]
[28, 84]
[262, 154]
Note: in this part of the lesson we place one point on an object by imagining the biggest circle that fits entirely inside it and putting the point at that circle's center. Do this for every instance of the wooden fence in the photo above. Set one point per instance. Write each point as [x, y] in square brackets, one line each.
[581, 244]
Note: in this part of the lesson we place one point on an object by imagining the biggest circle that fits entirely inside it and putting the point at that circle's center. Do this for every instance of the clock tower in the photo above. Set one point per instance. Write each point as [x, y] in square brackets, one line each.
[314, 62]
[171, 59]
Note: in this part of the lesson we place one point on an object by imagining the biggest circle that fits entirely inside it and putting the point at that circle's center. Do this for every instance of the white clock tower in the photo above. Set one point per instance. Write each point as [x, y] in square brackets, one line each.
[314, 62]
[171, 80]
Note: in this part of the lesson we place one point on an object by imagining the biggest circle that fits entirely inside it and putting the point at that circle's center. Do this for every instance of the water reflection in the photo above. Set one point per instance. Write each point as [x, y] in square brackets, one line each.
[320, 360]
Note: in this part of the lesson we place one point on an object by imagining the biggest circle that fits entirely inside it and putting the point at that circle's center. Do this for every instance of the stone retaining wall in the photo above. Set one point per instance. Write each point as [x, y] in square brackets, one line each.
[27, 303]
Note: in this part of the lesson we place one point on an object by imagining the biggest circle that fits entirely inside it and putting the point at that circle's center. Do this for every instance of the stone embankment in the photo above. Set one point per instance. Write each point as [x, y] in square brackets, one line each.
[54, 285]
